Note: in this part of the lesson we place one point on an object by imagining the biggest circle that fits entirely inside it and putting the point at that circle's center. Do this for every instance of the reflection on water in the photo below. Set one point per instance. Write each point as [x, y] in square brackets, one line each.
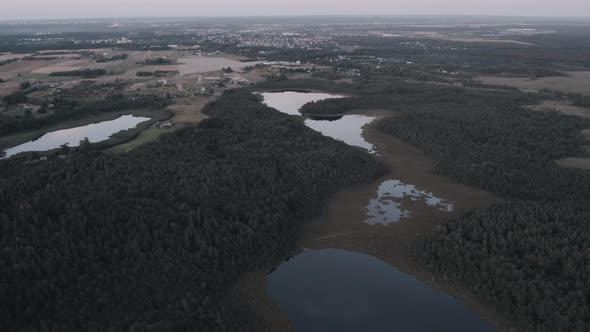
[348, 128]
[387, 207]
[336, 290]
[290, 102]
[95, 132]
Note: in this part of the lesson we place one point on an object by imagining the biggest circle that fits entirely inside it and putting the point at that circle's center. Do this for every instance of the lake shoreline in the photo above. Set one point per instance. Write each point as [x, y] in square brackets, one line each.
[341, 227]
[14, 140]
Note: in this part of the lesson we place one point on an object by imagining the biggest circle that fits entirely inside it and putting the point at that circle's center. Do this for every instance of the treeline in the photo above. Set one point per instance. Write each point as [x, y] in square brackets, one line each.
[150, 240]
[157, 73]
[328, 75]
[156, 62]
[68, 109]
[5, 62]
[40, 58]
[86, 73]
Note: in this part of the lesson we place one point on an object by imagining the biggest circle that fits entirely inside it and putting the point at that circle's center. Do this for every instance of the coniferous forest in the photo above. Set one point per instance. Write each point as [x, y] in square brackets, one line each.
[149, 240]
[529, 257]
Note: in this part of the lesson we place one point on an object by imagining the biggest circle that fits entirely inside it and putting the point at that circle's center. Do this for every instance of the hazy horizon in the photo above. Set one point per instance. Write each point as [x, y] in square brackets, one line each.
[70, 9]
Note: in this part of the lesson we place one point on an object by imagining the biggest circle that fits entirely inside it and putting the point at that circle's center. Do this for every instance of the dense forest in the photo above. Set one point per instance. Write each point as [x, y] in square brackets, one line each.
[149, 240]
[529, 258]
[497, 145]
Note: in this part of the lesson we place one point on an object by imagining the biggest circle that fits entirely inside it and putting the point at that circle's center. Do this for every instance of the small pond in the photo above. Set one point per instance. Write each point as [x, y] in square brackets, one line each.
[387, 207]
[95, 132]
[336, 290]
[348, 128]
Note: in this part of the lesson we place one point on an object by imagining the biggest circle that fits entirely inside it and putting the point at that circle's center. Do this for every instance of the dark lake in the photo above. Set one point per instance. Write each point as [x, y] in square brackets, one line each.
[337, 291]
[387, 207]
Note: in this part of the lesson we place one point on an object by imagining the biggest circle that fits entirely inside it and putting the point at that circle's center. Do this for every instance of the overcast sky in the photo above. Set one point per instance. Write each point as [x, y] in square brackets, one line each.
[25, 9]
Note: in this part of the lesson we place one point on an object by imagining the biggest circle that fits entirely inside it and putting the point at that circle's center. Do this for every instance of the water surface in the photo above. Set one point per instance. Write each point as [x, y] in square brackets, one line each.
[339, 291]
[290, 102]
[348, 128]
[387, 207]
[95, 132]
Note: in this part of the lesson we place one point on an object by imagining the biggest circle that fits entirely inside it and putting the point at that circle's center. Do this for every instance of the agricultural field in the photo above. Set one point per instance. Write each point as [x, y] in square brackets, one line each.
[576, 82]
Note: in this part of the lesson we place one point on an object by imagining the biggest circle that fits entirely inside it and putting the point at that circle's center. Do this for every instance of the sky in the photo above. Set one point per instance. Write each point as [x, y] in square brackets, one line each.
[29, 9]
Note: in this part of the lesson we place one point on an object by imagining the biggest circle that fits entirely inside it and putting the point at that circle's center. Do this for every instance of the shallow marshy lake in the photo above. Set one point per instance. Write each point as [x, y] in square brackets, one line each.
[387, 207]
[348, 128]
[95, 132]
[336, 290]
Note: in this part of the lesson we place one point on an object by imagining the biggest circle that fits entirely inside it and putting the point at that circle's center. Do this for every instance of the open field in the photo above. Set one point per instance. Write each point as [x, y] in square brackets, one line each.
[576, 82]
[9, 56]
[580, 163]
[183, 63]
[189, 111]
[39, 69]
[453, 38]
[485, 40]
[563, 107]
[63, 65]
[186, 113]
[7, 88]
[202, 64]
[146, 136]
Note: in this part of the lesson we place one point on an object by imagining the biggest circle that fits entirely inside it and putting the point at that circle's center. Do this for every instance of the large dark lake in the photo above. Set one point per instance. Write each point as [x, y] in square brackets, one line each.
[337, 291]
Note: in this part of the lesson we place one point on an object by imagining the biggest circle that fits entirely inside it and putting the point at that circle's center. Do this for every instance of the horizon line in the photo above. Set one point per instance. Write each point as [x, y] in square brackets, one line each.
[295, 16]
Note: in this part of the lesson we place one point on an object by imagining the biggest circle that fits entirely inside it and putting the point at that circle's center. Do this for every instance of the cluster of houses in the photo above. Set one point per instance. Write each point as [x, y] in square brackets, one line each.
[164, 124]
